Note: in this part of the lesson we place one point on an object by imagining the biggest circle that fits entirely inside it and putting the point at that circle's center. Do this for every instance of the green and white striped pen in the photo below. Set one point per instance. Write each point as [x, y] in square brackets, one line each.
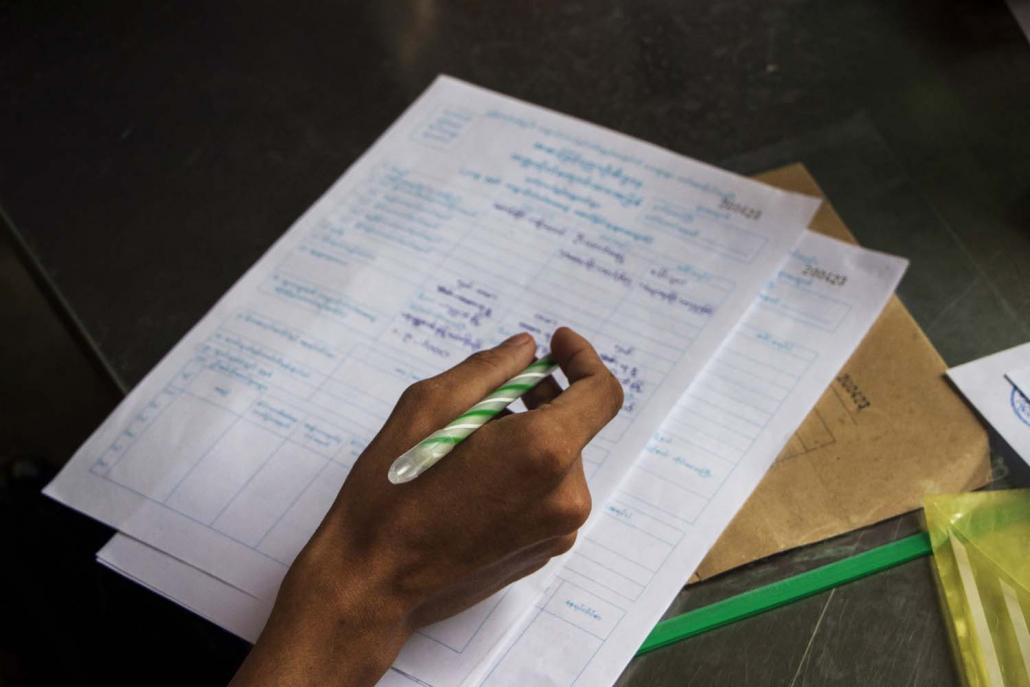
[426, 453]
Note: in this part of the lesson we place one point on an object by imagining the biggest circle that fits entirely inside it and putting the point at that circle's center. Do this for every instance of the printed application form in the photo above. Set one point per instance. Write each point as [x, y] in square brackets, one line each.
[474, 216]
[696, 471]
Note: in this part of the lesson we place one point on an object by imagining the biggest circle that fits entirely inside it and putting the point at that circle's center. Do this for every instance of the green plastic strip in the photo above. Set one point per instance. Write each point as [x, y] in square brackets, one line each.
[786, 591]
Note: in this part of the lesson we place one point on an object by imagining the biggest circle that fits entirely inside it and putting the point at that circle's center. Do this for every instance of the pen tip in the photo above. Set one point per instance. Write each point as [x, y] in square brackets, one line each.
[402, 471]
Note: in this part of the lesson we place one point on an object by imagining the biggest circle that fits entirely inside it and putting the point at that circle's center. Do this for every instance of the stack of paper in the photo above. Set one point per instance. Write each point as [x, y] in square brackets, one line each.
[476, 216]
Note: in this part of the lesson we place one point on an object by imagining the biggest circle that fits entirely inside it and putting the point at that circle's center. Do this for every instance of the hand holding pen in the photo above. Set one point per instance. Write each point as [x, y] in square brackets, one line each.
[507, 498]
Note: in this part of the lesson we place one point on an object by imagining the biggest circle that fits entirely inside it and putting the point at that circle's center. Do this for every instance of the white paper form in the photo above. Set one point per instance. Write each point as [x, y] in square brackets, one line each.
[994, 385]
[696, 471]
[475, 216]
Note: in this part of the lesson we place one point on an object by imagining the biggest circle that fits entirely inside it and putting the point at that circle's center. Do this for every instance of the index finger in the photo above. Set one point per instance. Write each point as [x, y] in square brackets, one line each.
[594, 395]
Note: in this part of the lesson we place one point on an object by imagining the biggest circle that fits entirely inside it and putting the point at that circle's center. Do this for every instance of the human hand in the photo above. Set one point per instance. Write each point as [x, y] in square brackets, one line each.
[388, 558]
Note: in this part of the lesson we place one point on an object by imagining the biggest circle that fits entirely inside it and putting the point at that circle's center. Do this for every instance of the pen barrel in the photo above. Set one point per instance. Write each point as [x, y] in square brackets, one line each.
[427, 452]
[497, 400]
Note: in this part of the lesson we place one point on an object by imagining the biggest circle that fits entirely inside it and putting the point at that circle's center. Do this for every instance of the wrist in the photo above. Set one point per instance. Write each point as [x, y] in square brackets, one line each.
[335, 622]
[353, 580]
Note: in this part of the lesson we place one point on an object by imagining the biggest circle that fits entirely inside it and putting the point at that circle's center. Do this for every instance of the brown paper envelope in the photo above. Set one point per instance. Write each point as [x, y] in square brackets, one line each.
[888, 431]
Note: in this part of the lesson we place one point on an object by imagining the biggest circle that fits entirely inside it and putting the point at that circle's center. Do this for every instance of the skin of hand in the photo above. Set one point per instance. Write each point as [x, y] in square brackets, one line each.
[388, 559]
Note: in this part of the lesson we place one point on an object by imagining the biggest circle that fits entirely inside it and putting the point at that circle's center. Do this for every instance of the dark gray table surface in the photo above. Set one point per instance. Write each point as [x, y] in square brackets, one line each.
[150, 152]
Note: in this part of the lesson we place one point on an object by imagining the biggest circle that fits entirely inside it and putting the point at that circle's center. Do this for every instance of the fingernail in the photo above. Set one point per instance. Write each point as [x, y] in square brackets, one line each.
[520, 339]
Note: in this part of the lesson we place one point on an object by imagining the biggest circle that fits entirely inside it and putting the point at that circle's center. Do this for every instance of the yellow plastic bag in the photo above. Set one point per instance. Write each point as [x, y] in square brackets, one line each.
[981, 550]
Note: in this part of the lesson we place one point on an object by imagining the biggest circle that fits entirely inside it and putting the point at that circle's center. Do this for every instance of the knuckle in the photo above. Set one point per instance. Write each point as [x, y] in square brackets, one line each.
[419, 393]
[546, 460]
[547, 451]
[563, 544]
[580, 505]
[416, 402]
[410, 396]
[615, 393]
[572, 511]
[486, 360]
